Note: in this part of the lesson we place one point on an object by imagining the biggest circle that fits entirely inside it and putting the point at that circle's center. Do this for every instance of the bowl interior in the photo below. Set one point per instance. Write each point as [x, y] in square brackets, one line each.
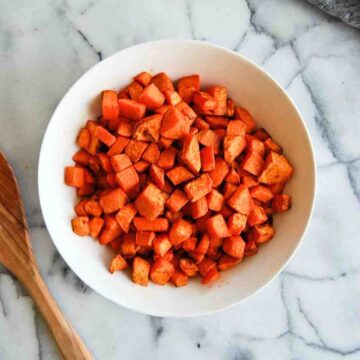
[248, 86]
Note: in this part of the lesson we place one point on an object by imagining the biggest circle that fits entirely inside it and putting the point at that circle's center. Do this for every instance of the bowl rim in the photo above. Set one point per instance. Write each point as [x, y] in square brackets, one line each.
[266, 282]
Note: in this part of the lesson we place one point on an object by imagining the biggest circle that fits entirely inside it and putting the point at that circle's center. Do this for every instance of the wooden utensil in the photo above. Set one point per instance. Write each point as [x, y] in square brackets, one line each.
[16, 254]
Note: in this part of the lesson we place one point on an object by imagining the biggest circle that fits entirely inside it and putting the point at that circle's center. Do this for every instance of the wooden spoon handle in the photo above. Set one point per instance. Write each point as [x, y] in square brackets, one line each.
[70, 344]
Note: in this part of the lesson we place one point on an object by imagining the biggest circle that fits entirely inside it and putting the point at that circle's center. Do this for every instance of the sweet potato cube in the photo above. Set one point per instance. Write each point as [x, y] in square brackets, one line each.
[131, 109]
[151, 201]
[148, 129]
[277, 188]
[118, 263]
[249, 181]
[211, 276]
[174, 124]
[208, 137]
[199, 207]
[92, 207]
[246, 117]
[204, 101]
[167, 158]
[187, 111]
[234, 246]
[186, 93]
[262, 233]
[230, 111]
[236, 128]
[118, 146]
[144, 238]
[201, 124]
[134, 150]
[250, 248]
[253, 163]
[219, 93]
[81, 157]
[199, 187]
[140, 273]
[277, 169]
[176, 201]
[113, 200]
[233, 177]
[217, 227]
[226, 262]
[179, 278]
[203, 245]
[229, 190]
[74, 176]
[179, 174]
[270, 145]
[206, 265]
[81, 226]
[125, 127]
[120, 162]
[241, 200]
[281, 202]
[180, 231]
[236, 223]
[217, 122]
[215, 200]
[83, 139]
[172, 97]
[157, 176]
[261, 193]
[143, 78]
[151, 97]
[109, 105]
[162, 244]
[128, 179]
[157, 225]
[125, 216]
[161, 271]
[190, 244]
[162, 81]
[219, 173]
[141, 166]
[188, 266]
[261, 134]
[134, 90]
[254, 144]
[104, 136]
[189, 81]
[151, 154]
[190, 154]
[128, 247]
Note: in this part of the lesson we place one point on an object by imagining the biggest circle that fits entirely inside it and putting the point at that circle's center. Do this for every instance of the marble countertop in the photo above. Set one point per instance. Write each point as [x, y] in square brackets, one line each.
[311, 311]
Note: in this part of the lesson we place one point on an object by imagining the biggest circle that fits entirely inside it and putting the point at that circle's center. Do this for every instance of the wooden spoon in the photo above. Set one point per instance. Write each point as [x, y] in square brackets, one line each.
[16, 254]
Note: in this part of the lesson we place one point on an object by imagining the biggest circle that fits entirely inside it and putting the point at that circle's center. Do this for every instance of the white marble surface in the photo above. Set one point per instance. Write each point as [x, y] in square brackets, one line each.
[311, 311]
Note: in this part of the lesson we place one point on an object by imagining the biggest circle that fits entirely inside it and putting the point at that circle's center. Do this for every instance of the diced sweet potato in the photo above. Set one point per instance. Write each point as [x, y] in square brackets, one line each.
[141, 166]
[261, 193]
[174, 124]
[207, 138]
[83, 139]
[277, 169]
[143, 78]
[148, 129]
[180, 231]
[232, 177]
[151, 97]
[144, 238]
[211, 276]
[176, 201]
[250, 248]
[234, 246]
[140, 274]
[135, 149]
[204, 102]
[207, 157]
[151, 201]
[179, 174]
[241, 200]
[236, 128]
[233, 147]
[206, 265]
[230, 111]
[199, 187]
[189, 81]
[217, 227]
[131, 109]
[74, 176]
[216, 122]
[81, 157]
[226, 262]
[249, 181]
[81, 226]
[112, 201]
[262, 233]
[161, 271]
[109, 105]
[190, 154]
[245, 116]
[162, 244]
[186, 93]
[189, 267]
[199, 208]
[125, 127]
[179, 278]
[151, 154]
[157, 225]
[215, 200]
[92, 207]
[281, 202]
[120, 162]
[125, 216]
[162, 81]
[187, 111]
[128, 247]
[270, 145]
[201, 124]
[236, 223]
[105, 162]
[118, 146]
[118, 263]
[254, 144]
[203, 245]
[172, 97]
[277, 188]
[219, 93]
[128, 179]
[253, 163]
[167, 158]
[190, 244]
[219, 173]
[157, 176]
[261, 134]
[229, 190]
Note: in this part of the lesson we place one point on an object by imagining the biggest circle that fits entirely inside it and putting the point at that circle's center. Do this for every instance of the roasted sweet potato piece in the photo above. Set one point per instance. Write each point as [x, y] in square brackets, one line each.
[176, 201]
[270, 145]
[261, 233]
[74, 176]
[141, 166]
[125, 216]
[201, 124]
[219, 93]
[236, 223]
[226, 262]
[151, 201]
[109, 105]
[233, 146]
[79, 208]
[125, 127]
[219, 173]
[118, 146]
[281, 202]
[112, 201]
[188, 267]
[128, 247]
[207, 138]
[134, 150]
[190, 154]
[190, 244]
[151, 154]
[241, 200]
[217, 227]
[253, 163]
[249, 181]
[131, 109]
[250, 248]
[211, 276]
[245, 116]
[199, 208]
[215, 200]
[179, 278]
[201, 222]
[187, 111]
[204, 101]
[92, 207]
[143, 78]
[207, 158]
[232, 177]
[206, 265]
[157, 176]
[81, 226]
[140, 273]
[144, 238]
[180, 231]
[81, 157]
[172, 97]
[236, 128]
[134, 89]
[167, 158]
[157, 225]
[161, 271]
[186, 93]
[128, 179]
[151, 97]
[261, 134]
[261, 193]
[277, 188]
[118, 263]
[162, 244]
[162, 81]
[120, 162]
[84, 137]
[199, 187]
[234, 246]
[174, 124]
[203, 245]
[216, 122]
[230, 111]
[254, 144]
[229, 190]
[277, 169]
[179, 174]
[189, 81]
[148, 129]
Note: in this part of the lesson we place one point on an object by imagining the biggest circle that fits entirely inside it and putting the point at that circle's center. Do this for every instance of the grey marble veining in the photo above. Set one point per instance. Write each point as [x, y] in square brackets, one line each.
[311, 311]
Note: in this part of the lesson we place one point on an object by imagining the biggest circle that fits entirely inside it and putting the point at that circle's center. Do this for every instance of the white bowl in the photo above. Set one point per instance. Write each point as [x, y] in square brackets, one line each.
[249, 86]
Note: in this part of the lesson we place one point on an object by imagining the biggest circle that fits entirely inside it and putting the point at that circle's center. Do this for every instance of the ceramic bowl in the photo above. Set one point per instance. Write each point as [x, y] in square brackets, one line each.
[249, 86]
